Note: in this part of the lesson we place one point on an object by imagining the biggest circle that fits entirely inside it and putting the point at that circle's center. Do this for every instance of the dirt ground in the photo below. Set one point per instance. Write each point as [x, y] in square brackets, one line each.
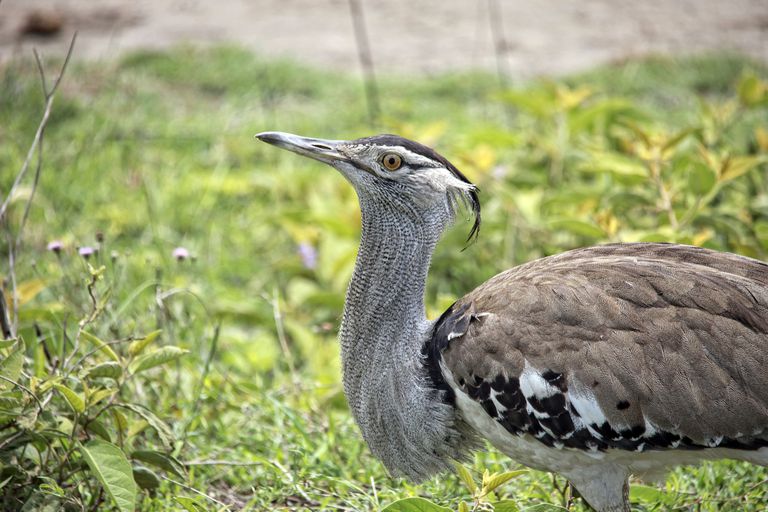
[406, 36]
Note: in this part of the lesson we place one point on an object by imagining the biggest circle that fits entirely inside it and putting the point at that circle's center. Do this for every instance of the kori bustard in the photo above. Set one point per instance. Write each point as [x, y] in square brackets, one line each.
[596, 364]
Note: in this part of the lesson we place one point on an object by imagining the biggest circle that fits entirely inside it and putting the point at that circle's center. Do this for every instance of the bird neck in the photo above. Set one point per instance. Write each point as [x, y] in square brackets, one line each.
[406, 421]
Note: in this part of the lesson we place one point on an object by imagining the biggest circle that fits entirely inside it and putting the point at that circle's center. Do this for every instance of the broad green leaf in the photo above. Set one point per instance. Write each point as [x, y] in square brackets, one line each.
[120, 421]
[463, 507]
[163, 430]
[145, 478]
[701, 179]
[160, 460]
[109, 464]
[100, 394]
[466, 477]
[73, 399]
[751, 90]
[7, 343]
[156, 358]
[676, 139]
[505, 506]
[137, 346]
[738, 166]
[414, 505]
[647, 494]
[191, 504]
[98, 428]
[497, 480]
[10, 367]
[108, 369]
[615, 164]
[100, 345]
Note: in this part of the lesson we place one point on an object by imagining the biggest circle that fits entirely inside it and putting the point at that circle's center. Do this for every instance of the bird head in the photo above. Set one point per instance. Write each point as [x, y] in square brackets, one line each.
[391, 171]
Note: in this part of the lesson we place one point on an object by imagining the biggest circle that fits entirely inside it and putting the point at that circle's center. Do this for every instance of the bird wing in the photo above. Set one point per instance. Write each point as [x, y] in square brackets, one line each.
[631, 346]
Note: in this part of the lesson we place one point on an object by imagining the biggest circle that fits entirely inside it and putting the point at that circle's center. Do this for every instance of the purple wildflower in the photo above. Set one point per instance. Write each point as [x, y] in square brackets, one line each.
[55, 246]
[180, 253]
[500, 172]
[308, 255]
[86, 252]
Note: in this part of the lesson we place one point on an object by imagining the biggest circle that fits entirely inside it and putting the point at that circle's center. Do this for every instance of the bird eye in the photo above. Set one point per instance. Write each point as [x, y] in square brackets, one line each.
[392, 161]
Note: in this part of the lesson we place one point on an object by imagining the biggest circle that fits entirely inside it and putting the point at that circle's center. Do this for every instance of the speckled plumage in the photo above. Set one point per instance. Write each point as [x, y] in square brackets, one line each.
[666, 335]
[597, 363]
[621, 348]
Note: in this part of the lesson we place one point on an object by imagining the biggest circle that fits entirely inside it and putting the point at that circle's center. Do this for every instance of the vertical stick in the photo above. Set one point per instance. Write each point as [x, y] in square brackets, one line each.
[5, 324]
[500, 49]
[499, 41]
[366, 61]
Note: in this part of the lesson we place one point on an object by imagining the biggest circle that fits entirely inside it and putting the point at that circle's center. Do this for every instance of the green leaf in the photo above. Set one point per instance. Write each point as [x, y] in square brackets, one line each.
[751, 90]
[613, 163]
[505, 506]
[738, 166]
[145, 478]
[109, 464]
[98, 428]
[414, 505]
[190, 504]
[676, 139]
[647, 494]
[163, 430]
[160, 460]
[7, 343]
[701, 179]
[137, 346]
[466, 477]
[100, 394]
[73, 399]
[156, 358]
[108, 369]
[577, 227]
[100, 345]
[10, 367]
[497, 480]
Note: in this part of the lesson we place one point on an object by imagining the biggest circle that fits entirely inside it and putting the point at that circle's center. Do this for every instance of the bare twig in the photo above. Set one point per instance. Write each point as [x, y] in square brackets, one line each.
[49, 97]
[34, 148]
[499, 41]
[366, 61]
[192, 489]
[221, 463]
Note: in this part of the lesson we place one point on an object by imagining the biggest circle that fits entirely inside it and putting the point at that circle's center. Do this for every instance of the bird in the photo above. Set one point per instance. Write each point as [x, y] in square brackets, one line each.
[596, 364]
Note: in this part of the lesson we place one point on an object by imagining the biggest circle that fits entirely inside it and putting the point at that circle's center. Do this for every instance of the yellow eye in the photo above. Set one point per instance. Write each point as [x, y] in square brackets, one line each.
[392, 161]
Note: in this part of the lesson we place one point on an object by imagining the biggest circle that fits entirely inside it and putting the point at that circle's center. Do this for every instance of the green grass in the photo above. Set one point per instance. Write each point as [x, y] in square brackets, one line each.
[155, 151]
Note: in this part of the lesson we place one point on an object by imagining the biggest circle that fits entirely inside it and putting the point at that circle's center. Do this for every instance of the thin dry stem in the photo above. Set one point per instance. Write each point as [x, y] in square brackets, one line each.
[34, 148]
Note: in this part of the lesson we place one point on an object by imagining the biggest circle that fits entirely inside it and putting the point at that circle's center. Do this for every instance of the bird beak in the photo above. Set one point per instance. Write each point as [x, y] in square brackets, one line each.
[319, 149]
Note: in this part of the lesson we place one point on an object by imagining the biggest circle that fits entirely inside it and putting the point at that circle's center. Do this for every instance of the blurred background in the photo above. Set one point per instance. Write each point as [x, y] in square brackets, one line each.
[524, 39]
[173, 288]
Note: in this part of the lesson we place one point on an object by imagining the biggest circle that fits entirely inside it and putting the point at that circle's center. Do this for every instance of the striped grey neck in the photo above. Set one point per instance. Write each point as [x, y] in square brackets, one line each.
[406, 422]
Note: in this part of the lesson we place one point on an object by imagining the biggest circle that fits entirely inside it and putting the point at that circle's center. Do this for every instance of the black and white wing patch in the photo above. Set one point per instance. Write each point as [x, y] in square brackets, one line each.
[554, 407]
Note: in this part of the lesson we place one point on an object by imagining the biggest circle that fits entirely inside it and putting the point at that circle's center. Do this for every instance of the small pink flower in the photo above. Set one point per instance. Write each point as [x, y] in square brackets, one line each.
[308, 255]
[55, 246]
[180, 253]
[86, 252]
